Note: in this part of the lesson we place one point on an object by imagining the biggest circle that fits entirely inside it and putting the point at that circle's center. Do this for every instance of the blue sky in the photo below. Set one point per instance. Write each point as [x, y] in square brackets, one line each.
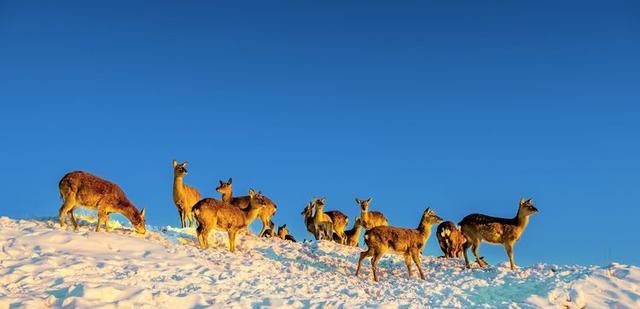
[463, 107]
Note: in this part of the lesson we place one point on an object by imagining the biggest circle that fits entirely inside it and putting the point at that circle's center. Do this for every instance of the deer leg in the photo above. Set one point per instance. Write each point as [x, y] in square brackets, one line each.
[232, 240]
[416, 259]
[407, 260]
[363, 255]
[107, 228]
[374, 264]
[99, 222]
[73, 220]
[509, 248]
[465, 248]
[475, 246]
[66, 207]
[190, 218]
[182, 217]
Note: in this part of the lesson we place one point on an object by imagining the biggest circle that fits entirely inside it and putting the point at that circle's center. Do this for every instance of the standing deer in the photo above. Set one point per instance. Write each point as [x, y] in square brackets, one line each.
[370, 219]
[183, 196]
[213, 214]
[309, 219]
[89, 191]
[408, 242]
[265, 214]
[337, 219]
[354, 233]
[450, 239]
[506, 231]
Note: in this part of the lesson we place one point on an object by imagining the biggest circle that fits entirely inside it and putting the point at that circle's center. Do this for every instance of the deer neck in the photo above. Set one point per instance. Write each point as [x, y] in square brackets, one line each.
[317, 218]
[227, 197]
[521, 219]
[126, 209]
[425, 231]
[250, 214]
[178, 183]
[364, 215]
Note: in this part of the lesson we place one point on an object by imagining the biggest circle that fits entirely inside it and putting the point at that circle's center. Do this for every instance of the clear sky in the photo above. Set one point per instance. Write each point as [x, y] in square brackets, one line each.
[461, 106]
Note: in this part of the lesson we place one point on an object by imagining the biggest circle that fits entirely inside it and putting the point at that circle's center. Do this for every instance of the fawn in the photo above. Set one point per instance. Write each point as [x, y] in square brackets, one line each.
[450, 239]
[219, 215]
[283, 233]
[408, 242]
[183, 196]
[370, 219]
[265, 214]
[505, 231]
[89, 191]
[337, 219]
[354, 233]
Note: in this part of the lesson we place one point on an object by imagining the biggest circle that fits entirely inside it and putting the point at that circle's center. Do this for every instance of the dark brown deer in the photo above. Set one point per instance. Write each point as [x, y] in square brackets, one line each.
[82, 189]
[407, 242]
[506, 231]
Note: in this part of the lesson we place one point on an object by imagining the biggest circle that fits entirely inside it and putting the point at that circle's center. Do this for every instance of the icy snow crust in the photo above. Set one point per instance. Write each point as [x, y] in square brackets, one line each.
[44, 266]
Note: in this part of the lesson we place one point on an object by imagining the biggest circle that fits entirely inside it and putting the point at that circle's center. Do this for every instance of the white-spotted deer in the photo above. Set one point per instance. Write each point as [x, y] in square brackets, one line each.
[184, 197]
[407, 242]
[450, 239]
[213, 214]
[506, 231]
[370, 219]
[265, 214]
[89, 191]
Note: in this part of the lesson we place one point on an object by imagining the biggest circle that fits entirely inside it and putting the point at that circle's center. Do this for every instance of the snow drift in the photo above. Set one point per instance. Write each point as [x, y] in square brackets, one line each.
[43, 266]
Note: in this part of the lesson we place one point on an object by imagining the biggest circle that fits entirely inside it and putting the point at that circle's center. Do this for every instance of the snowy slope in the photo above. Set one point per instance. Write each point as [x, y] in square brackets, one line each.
[44, 266]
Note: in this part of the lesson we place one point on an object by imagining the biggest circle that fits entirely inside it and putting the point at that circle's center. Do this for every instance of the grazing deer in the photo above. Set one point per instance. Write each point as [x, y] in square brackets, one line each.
[353, 234]
[283, 233]
[183, 196]
[450, 239]
[506, 231]
[337, 219]
[213, 214]
[265, 214]
[370, 219]
[408, 242]
[89, 191]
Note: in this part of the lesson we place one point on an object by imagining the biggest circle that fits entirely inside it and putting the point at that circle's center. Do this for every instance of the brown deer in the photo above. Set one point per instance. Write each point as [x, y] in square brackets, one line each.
[183, 196]
[370, 219]
[450, 239]
[89, 191]
[408, 242]
[213, 214]
[353, 234]
[283, 233]
[337, 219]
[506, 231]
[309, 221]
[265, 214]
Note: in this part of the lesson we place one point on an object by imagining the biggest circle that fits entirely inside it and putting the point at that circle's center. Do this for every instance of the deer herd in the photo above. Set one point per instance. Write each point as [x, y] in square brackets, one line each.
[234, 214]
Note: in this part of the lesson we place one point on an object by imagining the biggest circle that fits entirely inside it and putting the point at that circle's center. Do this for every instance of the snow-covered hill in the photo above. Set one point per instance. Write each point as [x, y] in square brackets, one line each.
[44, 266]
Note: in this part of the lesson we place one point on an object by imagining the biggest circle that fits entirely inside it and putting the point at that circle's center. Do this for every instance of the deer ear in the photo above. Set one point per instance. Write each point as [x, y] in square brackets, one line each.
[143, 212]
[357, 200]
[369, 200]
[530, 201]
[521, 200]
[221, 182]
[284, 226]
[175, 163]
[251, 192]
[184, 163]
[230, 180]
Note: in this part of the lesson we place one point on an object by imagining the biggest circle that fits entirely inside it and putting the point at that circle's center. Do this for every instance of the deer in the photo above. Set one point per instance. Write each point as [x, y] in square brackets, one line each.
[184, 196]
[404, 241]
[450, 239]
[265, 214]
[354, 233]
[270, 231]
[370, 219]
[213, 214]
[337, 219]
[82, 189]
[283, 233]
[309, 222]
[506, 231]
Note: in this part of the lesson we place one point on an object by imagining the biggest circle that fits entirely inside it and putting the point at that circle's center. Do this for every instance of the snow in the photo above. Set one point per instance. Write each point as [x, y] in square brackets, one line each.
[44, 266]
